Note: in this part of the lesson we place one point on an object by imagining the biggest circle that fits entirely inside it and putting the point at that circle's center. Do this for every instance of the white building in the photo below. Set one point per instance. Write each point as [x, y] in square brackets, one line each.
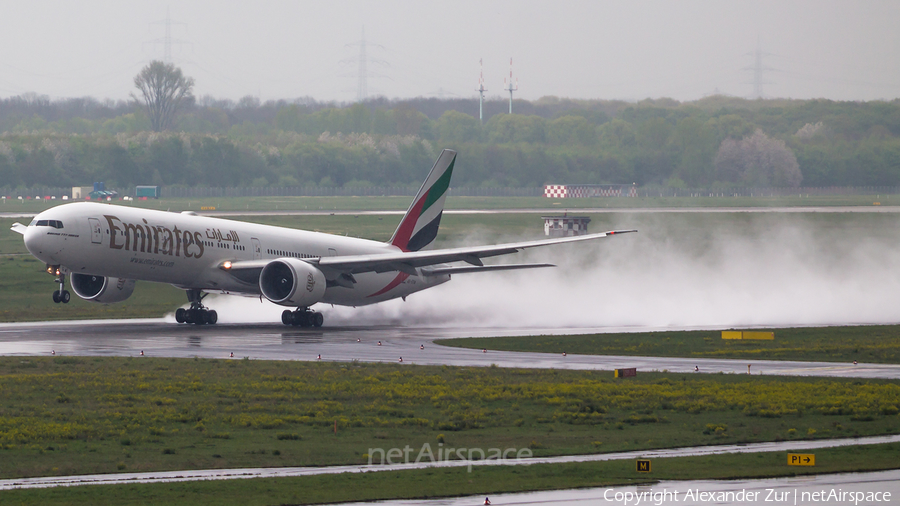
[565, 225]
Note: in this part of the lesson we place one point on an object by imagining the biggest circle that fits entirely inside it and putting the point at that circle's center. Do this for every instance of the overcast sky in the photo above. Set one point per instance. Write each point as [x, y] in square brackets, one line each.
[840, 50]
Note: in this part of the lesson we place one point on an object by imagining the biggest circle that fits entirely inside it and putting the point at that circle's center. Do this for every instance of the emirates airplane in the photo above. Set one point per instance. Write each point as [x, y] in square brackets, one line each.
[104, 249]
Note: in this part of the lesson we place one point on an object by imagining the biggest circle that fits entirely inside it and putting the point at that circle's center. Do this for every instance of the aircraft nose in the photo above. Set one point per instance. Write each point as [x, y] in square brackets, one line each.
[34, 241]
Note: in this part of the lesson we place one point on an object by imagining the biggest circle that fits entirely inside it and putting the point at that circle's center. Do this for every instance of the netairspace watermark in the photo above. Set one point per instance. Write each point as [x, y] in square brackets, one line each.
[765, 496]
[425, 455]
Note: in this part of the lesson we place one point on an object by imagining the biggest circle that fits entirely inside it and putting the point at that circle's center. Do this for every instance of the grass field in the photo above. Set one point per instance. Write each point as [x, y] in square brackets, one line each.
[431, 483]
[872, 344]
[85, 415]
[27, 289]
[398, 203]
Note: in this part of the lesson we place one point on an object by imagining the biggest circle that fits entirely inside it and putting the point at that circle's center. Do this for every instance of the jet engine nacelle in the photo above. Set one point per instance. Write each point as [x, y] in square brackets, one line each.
[292, 282]
[101, 288]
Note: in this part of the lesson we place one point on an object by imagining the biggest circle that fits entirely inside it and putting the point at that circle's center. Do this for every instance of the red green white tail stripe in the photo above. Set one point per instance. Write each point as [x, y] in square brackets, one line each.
[419, 226]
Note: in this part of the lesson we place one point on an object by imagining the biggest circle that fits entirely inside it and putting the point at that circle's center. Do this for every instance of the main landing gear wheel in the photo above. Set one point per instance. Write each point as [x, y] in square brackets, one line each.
[303, 317]
[198, 314]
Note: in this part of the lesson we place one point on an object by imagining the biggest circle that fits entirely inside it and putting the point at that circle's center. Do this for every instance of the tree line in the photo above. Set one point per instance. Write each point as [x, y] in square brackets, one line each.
[717, 142]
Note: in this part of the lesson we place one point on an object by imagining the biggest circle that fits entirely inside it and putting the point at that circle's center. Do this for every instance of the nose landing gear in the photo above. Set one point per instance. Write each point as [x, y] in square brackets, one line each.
[302, 317]
[61, 295]
[197, 314]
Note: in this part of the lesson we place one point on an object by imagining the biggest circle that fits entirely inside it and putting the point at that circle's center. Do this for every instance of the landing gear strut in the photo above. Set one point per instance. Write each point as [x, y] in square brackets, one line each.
[198, 314]
[61, 295]
[302, 317]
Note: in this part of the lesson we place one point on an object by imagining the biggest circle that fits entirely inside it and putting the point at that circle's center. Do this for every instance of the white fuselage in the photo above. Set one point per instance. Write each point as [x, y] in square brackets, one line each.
[187, 250]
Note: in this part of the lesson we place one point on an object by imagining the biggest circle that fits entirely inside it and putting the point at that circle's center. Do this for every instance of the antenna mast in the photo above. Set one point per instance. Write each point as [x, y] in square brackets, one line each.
[510, 87]
[362, 88]
[167, 46]
[362, 61]
[481, 89]
[167, 40]
[758, 68]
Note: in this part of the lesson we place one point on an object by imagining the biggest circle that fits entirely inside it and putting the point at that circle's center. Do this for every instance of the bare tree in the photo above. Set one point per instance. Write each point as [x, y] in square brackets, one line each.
[164, 90]
[757, 160]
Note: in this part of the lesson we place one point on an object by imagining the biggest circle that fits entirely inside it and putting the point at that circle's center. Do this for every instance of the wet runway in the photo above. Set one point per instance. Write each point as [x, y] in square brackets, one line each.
[159, 338]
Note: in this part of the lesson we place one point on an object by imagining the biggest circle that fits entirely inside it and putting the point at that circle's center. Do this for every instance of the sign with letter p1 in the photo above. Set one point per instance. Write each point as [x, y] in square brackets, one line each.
[801, 459]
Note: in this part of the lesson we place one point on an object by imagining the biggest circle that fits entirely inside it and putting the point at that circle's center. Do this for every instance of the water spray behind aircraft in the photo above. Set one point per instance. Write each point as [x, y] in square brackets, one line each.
[783, 273]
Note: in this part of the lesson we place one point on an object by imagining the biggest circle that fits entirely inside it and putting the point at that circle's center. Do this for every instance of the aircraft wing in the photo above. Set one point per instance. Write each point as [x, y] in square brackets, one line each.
[409, 260]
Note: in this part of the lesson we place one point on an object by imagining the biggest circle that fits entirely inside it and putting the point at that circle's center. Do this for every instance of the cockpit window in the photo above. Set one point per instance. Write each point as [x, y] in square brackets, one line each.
[47, 223]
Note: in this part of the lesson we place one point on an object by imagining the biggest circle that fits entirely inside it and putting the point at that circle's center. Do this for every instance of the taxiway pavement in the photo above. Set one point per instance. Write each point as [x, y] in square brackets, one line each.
[283, 472]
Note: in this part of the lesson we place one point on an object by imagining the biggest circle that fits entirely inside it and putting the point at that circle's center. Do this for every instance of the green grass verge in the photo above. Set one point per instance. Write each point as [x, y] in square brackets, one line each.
[482, 481]
[85, 415]
[27, 289]
[400, 203]
[873, 344]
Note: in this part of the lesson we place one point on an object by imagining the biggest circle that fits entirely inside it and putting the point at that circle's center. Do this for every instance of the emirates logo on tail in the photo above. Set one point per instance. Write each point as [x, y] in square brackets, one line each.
[419, 225]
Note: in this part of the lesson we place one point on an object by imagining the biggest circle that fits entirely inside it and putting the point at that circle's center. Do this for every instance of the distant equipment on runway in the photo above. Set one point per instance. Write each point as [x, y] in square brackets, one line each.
[565, 225]
[746, 334]
[146, 192]
[626, 373]
[574, 191]
[97, 192]
[80, 192]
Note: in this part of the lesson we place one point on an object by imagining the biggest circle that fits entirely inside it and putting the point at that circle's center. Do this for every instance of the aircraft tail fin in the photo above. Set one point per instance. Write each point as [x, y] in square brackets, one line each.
[419, 225]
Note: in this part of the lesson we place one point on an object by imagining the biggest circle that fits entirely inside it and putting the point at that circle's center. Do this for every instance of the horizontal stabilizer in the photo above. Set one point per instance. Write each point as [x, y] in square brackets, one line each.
[483, 268]
[19, 228]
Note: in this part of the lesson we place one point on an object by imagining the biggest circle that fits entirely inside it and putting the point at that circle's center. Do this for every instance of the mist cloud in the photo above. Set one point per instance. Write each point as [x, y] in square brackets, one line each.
[763, 271]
